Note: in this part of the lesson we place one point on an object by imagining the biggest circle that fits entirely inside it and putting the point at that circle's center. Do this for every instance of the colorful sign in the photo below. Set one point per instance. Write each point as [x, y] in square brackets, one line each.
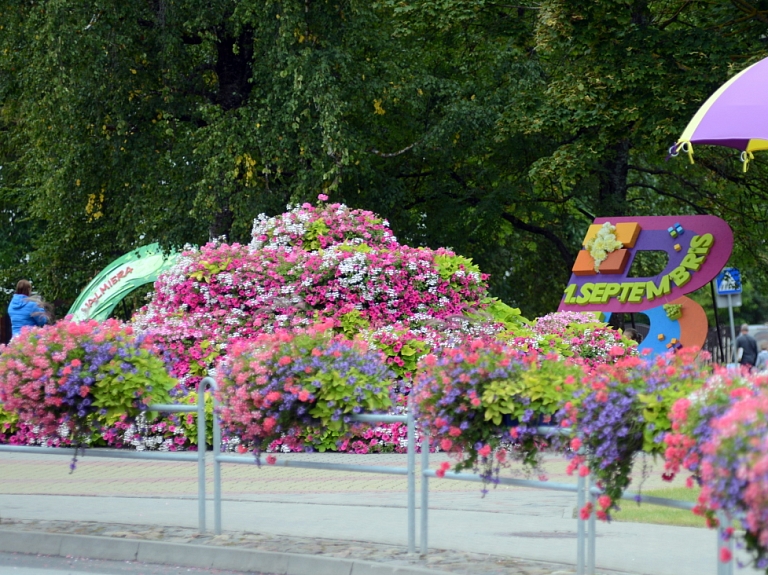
[698, 247]
[118, 279]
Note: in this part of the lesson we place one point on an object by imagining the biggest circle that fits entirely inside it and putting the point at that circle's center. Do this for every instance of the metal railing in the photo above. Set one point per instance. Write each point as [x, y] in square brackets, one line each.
[199, 457]
[409, 471]
[586, 529]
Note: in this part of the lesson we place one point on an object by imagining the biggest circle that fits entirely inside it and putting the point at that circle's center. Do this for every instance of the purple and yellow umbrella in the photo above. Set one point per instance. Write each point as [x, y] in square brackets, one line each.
[736, 116]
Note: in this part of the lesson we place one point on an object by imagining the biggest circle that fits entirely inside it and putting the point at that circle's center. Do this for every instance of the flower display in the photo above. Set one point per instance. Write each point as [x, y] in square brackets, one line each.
[578, 335]
[83, 376]
[624, 408]
[168, 432]
[480, 397]
[310, 264]
[277, 384]
[718, 435]
[602, 244]
[734, 468]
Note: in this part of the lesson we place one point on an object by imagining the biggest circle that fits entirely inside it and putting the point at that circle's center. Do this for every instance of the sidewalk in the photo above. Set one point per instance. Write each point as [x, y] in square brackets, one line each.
[316, 507]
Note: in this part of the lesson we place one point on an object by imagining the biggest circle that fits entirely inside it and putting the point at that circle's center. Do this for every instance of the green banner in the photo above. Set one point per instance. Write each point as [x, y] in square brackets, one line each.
[118, 279]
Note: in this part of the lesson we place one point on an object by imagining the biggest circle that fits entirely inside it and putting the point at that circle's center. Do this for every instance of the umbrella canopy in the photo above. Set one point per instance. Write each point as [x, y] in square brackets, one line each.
[736, 116]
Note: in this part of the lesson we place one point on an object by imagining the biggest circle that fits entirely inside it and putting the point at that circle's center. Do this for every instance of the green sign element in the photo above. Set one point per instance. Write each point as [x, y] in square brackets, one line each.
[118, 279]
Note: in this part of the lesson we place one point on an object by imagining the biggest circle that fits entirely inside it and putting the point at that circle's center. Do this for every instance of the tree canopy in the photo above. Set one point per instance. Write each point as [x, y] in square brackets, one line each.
[499, 130]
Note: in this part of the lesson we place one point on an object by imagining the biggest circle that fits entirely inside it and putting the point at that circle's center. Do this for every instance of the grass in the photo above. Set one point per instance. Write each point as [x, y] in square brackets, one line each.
[647, 513]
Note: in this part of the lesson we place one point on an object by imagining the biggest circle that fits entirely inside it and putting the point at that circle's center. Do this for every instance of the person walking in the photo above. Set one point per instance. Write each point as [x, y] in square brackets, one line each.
[747, 348]
[23, 310]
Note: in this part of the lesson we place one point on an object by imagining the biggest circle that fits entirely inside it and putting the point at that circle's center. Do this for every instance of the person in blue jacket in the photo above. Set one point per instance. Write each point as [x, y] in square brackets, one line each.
[23, 310]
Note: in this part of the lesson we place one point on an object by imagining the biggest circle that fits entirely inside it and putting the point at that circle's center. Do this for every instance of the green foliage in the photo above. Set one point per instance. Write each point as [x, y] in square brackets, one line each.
[188, 421]
[448, 265]
[314, 230]
[8, 422]
[500, 312]
[546, 384]
[353, 322]
[117, 386]
[499, 130]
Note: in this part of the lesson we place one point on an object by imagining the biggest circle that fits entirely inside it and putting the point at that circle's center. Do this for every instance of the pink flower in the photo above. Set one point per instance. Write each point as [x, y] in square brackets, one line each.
[586, 511]
[322, 197]
[454, 431]
[485, 450]
[303, 395]
[271, 459]
[575, 443]
[446, 444]
[725, 555]
[583, 471]
[604, 501]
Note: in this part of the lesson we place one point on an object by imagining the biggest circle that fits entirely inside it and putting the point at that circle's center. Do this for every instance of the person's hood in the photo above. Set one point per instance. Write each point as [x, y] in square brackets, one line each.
[19, 301]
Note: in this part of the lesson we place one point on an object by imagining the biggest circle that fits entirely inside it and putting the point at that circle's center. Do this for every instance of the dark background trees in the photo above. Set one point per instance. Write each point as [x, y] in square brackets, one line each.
[499, 130]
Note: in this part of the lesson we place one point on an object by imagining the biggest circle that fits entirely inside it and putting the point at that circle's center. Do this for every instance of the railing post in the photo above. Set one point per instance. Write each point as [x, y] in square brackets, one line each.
[724, 541]
[411, 477]
[201, 428]
[592, 531]
[580, 502]
[216, 468]
[424, 490]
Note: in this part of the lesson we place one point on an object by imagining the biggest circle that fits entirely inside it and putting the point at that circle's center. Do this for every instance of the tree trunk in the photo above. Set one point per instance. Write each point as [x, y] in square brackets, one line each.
[612, 196]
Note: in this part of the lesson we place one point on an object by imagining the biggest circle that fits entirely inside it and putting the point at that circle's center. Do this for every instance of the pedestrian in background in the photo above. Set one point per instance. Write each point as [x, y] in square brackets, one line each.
[762, 357]
[24, 310]
[747, 348]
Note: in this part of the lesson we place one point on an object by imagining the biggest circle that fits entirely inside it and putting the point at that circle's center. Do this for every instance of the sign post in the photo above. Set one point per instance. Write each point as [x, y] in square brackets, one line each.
[729, 284]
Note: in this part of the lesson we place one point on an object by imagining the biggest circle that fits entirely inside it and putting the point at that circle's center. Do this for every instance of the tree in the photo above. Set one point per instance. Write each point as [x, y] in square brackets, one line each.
[498, 130]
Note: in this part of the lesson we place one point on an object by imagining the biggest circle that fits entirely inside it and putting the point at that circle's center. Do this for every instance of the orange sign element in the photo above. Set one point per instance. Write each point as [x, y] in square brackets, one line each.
[693, 323]
[613, 264]
[626, 233]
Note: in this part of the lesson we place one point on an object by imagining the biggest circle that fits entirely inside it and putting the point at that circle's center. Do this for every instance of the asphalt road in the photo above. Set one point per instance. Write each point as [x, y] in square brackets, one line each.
[20, 564]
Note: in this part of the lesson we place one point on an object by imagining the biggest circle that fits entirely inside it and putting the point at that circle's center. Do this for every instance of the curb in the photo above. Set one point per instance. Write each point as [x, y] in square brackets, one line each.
[201, 556]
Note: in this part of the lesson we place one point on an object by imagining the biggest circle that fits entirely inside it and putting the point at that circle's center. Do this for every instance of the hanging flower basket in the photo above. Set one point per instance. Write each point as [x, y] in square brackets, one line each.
[83, 376]
[273, 387]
